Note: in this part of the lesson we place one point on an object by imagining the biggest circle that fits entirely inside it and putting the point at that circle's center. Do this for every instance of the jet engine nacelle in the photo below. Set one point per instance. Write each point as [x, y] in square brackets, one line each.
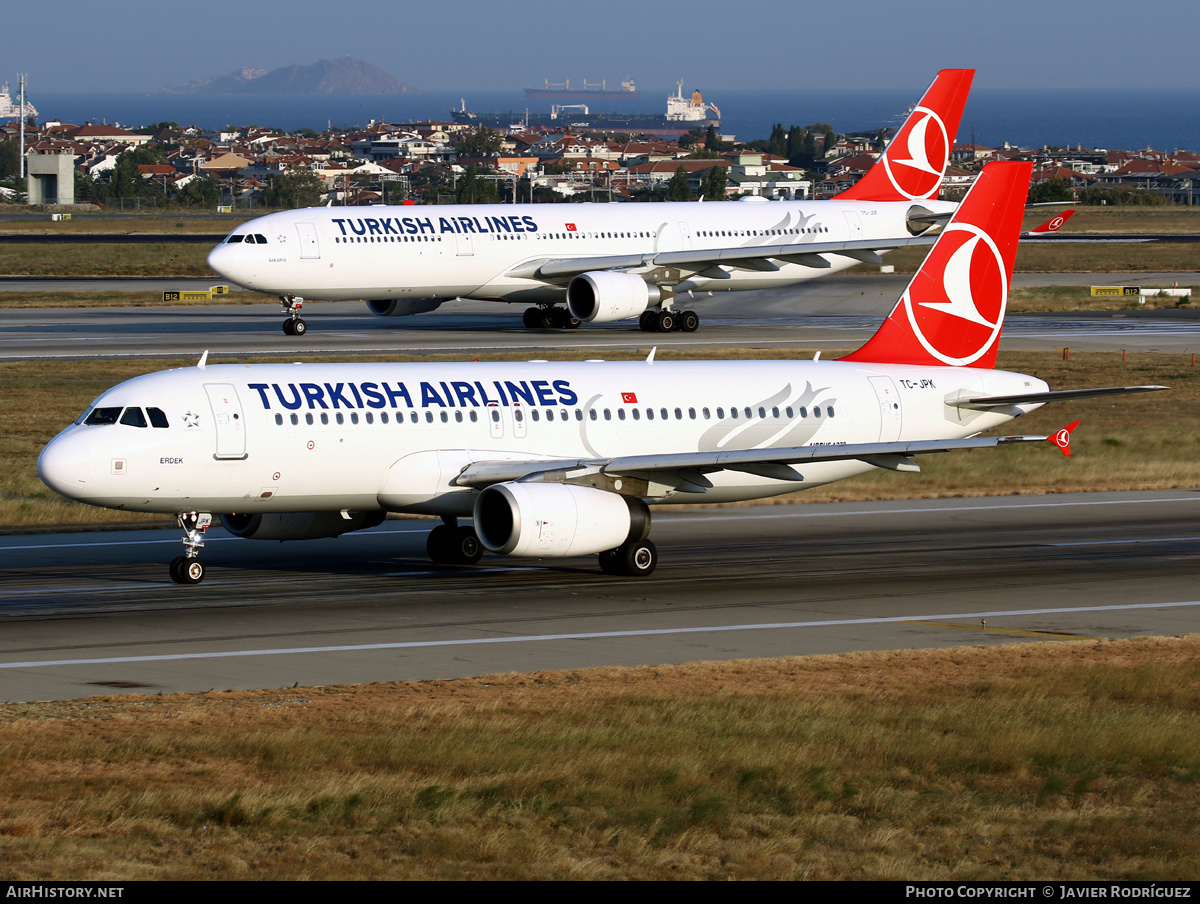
[400, 307]
[298, 525]
[601, 296]
[554, 519]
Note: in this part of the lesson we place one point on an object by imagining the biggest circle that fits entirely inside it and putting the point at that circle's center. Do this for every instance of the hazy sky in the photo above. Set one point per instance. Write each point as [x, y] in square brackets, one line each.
[137, 45]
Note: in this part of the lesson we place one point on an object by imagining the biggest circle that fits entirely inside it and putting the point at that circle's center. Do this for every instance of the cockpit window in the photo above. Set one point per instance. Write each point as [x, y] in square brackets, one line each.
[234, 239]
[261, 239]
[102, 416]
[158, 417]
[133, 417]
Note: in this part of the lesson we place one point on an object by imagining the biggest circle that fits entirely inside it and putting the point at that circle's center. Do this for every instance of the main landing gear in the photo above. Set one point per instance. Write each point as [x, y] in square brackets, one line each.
[449, 544]
[187, 568]
[291, 305]
[634, 558]
[665, 321]
[549, 317]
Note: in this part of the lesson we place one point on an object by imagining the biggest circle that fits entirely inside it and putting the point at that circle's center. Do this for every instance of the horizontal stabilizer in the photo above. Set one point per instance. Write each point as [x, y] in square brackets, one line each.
[1063, 395]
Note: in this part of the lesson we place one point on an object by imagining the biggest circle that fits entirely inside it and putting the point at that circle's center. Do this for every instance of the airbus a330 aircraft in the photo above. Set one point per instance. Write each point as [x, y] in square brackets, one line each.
[608, 262]
[553, 459]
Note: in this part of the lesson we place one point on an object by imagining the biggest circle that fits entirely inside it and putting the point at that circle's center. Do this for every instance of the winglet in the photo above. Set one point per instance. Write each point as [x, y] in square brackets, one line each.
[650, 357]
[1053, 224]
[203, 360]
[1062, 438]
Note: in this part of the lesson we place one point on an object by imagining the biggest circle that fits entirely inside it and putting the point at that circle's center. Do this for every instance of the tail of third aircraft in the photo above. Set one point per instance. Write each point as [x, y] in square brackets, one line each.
[953, 310]
[912, 167]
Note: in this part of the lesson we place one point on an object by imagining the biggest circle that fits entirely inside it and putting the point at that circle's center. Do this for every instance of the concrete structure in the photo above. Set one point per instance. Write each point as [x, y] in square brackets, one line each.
[51, 177]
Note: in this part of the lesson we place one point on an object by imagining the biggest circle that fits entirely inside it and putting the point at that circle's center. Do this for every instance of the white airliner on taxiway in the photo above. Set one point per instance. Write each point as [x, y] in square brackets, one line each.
[555, 459]
[606, 261]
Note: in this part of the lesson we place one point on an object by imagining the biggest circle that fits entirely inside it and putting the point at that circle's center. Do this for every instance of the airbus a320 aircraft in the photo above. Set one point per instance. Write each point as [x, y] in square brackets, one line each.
[551, 459]
[608, 262]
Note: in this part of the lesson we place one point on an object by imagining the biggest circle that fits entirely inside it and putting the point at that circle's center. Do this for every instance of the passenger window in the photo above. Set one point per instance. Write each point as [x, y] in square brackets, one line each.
[133, 417]
[663, 413]
[692, 413]
[637, 415]
[279, 420]
[383, 417]
[445, 417]
[649, 414]
[534, 414]
[704, 411]
[474, 417]
[775, 412]
[495, 416]
[749, 413]
[308, 419]
[354, 417]
[295, 420]
[324, 418]
[341, 419]
[413, 417]
[158, 417]
[679, 415]
[790, 414]
[457, 416]
[803, 412]
[608, 414]
[829, 411]
[620, 414]
[579, 414]
[370, 418]
[762, 412]
[518, 415]
[733, 413]
[592, 413]
[720, 413]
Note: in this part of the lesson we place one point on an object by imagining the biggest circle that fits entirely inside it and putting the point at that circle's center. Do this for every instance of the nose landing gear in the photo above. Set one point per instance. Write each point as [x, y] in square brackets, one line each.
[187, 568]
[291, 305]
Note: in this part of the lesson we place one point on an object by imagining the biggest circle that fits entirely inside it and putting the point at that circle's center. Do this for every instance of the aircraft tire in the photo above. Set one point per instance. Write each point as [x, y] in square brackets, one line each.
[441, 544]
[531, 318]
[637, 559]
[468, 549]
[665, 321]
[571, 323]
[689, 321]
[189, 571]
[287, 327]
[648, 321]
[609, 563]
[299, 327]
[547, 319]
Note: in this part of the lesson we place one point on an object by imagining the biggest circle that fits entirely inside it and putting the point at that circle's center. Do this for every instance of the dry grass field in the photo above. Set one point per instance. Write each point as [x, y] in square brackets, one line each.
[1138, 442]
[126, 224]
[1045, 761]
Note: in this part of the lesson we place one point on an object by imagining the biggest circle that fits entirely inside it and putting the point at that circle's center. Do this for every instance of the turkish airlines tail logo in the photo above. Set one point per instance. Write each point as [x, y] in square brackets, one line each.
[1053, 224]
[912, 167]
[953, 310]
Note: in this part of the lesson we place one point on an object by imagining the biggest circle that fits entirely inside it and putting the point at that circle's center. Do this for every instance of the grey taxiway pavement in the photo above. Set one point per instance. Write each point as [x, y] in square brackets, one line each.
[88, 614]
[839, 312]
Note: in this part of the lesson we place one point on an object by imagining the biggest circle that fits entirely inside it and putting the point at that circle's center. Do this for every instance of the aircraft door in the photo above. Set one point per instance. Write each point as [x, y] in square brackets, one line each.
[466, 247]
[854, 224]
[309, 248]
[230, 424]
[495, 421]
[520, 426]
[685, 236]
[891, 415]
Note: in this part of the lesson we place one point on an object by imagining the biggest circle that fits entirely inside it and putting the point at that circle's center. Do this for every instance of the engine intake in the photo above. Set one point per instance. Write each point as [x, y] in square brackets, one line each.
[601, 296]
[554, 519]
[402, 307]
[298, 525]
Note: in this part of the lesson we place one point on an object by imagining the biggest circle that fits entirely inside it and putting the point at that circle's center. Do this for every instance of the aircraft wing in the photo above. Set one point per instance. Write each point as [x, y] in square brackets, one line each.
[686, 470]
[760, 257]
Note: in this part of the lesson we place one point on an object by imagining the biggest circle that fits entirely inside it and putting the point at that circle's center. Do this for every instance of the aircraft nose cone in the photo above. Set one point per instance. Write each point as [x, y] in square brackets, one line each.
[65, 465]
[227, 262]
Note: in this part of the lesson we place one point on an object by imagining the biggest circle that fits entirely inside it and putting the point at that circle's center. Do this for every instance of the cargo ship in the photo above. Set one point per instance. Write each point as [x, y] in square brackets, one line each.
[589, 91]
[10, 109]
[683, 114]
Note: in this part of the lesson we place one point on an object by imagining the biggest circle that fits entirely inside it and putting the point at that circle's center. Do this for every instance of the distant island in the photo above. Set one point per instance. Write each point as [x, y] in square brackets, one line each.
[344, 76]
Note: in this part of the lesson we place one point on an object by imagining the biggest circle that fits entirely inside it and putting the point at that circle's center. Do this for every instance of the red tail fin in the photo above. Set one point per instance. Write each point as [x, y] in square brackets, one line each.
[912, 167]
[1053, 224]
[953, 310]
